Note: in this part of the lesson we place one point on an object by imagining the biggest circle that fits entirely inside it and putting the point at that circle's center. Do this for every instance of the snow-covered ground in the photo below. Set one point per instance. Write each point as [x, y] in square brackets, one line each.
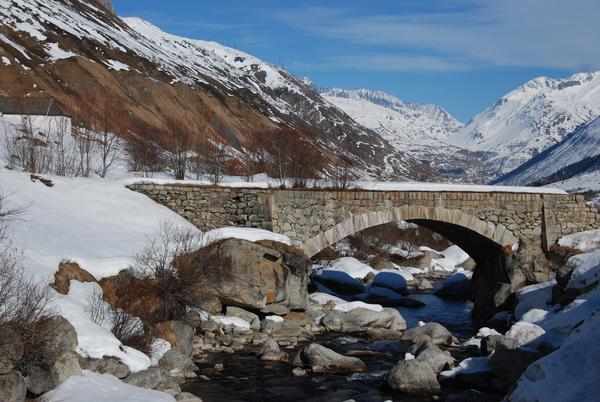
[570, 372]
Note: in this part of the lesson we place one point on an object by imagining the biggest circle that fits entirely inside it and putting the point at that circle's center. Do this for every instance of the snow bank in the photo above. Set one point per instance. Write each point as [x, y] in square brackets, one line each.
[96, 222]
[93, 387]
[584, 241]
[95, 340]
[267, 182]
[568, 374]
[248, 234]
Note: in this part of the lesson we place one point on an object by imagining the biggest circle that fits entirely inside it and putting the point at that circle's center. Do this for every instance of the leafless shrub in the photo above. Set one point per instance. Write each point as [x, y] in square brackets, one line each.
[145, 156]
[174, 288]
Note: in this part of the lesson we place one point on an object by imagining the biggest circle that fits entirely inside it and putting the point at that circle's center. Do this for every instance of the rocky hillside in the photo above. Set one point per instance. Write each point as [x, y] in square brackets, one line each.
[530, 119]
[578, 153]
[80, 54]
[424, 131]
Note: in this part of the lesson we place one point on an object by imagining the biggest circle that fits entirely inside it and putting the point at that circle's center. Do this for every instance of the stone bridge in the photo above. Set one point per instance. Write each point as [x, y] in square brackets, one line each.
[489, 226]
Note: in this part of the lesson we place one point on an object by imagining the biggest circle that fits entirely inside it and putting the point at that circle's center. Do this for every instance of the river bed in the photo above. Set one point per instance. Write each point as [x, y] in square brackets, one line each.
[246, 378]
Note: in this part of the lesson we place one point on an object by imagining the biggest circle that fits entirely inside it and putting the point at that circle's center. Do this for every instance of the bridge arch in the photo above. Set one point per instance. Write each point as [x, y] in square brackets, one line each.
[454, 224]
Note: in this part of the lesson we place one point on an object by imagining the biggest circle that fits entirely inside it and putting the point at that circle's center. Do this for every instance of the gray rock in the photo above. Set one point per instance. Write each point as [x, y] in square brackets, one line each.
[509, 361]
[177, 364]
[244, 315]
[299, 372]
[437, 332]
[276, 309]
[108, 365]
[270, 352]
[153, 378]
[185, 336]
[285, 330]
[13, 387]
[361, 319]
[424, 284]
[187, 397]
[58, 359]
[324, 360]
[427, 352]
[488, 344]
[413, 377]
[11, 350]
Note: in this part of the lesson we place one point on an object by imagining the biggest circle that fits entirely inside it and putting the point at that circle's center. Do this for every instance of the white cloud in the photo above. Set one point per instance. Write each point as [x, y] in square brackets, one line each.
[525, 33]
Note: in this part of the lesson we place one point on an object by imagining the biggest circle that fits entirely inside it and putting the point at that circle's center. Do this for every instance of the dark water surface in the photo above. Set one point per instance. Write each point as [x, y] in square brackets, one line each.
[245, 378]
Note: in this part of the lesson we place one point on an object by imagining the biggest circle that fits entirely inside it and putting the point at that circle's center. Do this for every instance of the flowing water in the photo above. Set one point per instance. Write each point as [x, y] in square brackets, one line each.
[246, 378]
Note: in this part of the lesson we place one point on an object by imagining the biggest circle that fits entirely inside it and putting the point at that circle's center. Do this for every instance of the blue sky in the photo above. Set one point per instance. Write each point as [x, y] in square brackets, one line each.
[460, 54]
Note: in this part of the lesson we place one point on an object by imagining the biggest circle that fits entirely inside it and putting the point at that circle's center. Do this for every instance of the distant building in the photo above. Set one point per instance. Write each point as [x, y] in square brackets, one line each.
[37, 115]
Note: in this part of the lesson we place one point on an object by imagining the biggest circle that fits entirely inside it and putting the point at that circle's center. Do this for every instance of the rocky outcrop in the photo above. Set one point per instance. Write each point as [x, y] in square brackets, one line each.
[13, 387]
[413, 377]
[253, 276]
[323, 360]
[68, 271]
[57, 357]
[362, 319]
[179, 334]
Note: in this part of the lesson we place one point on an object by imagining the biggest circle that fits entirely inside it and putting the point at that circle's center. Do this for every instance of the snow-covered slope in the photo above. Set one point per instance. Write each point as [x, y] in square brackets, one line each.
[530, 119]
[89, 51]
[423, 131]
[576, 154]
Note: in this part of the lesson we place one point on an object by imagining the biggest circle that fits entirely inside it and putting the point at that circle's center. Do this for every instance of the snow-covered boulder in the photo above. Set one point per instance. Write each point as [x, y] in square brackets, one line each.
[585, 270]
[338, 281]
[395, 281]
[534, 296]
[458, 285]
[584, 241]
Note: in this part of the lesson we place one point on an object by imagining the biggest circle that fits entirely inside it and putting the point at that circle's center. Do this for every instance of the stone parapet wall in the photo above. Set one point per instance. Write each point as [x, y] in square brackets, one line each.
[304, 214]
[213, 207]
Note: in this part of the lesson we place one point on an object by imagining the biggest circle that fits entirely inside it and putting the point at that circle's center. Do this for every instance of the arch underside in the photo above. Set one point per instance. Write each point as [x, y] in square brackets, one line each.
[467, 231]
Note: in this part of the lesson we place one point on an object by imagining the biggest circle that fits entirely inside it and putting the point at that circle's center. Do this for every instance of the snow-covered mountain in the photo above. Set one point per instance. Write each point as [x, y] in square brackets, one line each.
[578, 153]
[424, 131]
[530, 119]
[75, 51]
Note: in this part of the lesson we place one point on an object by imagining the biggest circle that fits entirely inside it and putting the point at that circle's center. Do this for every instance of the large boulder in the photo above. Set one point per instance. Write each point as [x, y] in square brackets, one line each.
[361, 319]
[324, 360]
[438, 334]
[391, 280]
[457, 286]
[11, 349]
[13, 387]
[427, 352]
[251, 275]
[413, 377]
[57, 357]
[285, 330]
[509, 361]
